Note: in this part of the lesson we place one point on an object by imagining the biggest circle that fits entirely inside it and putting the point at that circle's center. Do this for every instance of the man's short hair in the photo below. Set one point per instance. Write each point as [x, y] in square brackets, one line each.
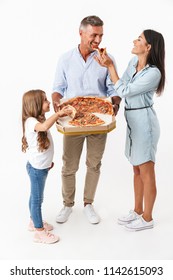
[91, 20]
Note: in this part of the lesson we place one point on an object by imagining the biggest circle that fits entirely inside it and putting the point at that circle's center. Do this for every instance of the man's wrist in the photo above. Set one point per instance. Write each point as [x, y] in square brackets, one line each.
[116, 105]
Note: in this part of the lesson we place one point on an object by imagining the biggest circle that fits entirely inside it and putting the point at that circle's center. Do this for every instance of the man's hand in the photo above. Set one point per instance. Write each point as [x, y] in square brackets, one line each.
[115, 108]
[56, 106]
[116, 100]
[56, 100]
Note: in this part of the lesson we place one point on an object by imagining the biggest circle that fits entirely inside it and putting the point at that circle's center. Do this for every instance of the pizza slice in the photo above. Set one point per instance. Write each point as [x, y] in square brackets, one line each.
[101, 51]
[73, 114]
[102, 106]
[86, 119]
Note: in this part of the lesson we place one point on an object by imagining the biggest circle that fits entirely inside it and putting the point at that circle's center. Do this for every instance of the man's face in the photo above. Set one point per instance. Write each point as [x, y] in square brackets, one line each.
[91, 37]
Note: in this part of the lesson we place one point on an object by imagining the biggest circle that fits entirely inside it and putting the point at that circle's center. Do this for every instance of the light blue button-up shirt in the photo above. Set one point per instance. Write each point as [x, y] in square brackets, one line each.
[138, 89]
[76, 77]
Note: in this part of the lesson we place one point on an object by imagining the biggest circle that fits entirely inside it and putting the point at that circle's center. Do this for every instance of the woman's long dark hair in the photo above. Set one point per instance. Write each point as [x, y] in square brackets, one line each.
[157, 54]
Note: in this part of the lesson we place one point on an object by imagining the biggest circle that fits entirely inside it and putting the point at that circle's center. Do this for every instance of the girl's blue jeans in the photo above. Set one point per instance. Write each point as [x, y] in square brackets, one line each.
[37, 180]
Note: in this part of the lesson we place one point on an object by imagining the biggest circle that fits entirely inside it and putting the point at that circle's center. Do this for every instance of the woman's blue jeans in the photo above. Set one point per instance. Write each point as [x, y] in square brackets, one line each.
[37, 179]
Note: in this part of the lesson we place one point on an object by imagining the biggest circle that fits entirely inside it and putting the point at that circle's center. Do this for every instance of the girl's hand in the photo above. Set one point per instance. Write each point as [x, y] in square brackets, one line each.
[52, 165]
[66, 111]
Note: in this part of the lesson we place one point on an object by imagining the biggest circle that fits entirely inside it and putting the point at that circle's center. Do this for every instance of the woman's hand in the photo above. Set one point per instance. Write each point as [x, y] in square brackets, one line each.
[104, 60]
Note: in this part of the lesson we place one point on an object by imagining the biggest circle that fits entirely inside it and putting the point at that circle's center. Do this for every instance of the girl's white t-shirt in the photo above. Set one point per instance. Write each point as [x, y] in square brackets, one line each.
[39, 160]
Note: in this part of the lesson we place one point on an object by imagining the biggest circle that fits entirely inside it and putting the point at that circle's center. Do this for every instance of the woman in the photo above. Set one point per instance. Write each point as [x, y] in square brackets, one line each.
[144, 76]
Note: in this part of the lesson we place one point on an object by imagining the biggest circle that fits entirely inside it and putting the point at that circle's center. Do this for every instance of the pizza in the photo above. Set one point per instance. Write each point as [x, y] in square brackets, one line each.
[85, 107]
[90, 105]
[86, 119]
[101, 51]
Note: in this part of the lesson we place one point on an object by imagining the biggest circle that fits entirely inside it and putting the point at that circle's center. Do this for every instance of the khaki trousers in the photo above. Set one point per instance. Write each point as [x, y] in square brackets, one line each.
[72, 149]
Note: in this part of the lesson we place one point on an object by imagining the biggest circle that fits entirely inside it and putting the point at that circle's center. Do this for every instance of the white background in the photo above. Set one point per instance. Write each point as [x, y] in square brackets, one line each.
[33, 36]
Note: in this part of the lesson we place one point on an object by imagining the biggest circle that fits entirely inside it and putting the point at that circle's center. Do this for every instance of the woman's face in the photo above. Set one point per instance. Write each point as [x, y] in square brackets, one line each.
[141, 47]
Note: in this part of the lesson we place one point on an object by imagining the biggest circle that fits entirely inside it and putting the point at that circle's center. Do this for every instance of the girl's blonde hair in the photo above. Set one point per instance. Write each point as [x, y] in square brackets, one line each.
[32, 103]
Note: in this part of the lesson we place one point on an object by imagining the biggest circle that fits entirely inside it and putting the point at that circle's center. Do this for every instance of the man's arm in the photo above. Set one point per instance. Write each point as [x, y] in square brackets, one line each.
[56, 100]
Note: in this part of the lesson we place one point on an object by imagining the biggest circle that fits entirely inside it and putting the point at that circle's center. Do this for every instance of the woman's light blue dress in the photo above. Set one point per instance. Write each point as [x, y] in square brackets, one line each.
[143, 129]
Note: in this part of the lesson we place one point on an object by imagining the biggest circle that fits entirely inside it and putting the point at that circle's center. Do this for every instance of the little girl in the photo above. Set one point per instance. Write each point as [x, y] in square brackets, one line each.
[38, 144]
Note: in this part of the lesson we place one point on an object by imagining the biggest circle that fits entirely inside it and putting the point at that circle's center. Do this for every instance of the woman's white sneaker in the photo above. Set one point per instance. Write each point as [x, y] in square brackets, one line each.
[139, 224]
[132, 216]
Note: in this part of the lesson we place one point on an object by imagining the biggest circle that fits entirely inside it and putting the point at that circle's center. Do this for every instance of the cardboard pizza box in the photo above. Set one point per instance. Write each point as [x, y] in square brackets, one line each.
[67, 129]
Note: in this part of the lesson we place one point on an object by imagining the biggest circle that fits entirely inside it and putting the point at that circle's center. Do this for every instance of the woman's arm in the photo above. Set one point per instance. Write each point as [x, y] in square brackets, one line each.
[107, 62]
[146, 81]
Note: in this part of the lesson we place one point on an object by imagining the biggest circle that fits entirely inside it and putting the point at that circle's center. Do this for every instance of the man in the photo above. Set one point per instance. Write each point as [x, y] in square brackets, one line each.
[79, 74]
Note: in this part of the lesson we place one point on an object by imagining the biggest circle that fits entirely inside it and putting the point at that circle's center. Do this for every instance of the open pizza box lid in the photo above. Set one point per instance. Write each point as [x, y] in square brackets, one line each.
[65, 128]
